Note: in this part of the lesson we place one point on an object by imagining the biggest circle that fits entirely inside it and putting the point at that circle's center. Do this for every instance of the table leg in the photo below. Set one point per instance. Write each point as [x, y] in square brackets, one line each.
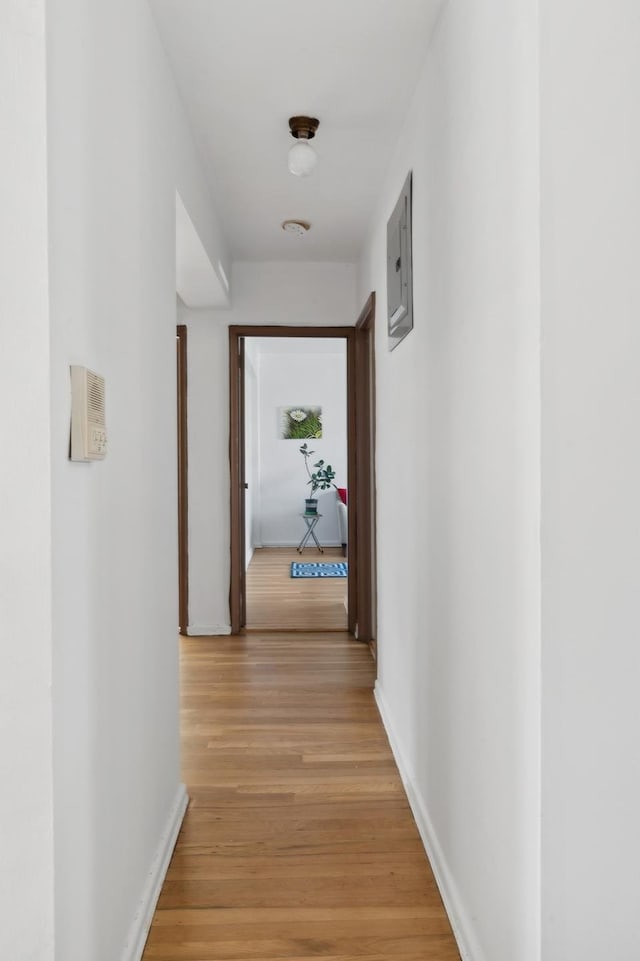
[311, 523]
[301, 545]
[321, 549]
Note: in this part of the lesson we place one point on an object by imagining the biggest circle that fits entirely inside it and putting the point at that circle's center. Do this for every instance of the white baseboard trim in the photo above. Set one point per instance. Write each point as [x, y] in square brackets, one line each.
[208, 630]
[295, 544]
[141, 923]
[464, 934]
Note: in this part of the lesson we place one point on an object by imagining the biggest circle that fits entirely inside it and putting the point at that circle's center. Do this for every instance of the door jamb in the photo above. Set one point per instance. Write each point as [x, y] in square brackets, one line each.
[364, 382]
[183, 480]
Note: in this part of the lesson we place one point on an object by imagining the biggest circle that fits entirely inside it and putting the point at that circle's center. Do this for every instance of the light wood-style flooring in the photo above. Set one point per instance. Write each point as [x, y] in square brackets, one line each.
[298, 843]
[276, 601]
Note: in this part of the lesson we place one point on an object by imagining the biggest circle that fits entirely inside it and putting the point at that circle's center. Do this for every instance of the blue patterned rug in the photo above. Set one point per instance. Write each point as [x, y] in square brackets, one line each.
[321, 569]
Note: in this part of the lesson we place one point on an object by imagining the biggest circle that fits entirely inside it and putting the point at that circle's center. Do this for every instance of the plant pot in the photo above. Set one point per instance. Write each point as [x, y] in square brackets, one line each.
[311, 505]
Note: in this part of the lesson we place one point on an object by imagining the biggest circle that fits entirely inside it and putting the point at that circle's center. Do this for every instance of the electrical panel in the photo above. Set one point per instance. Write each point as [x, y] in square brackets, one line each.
[399, 268]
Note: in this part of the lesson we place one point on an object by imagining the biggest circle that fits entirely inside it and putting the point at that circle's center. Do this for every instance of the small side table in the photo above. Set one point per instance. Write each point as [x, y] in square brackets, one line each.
[310, 520]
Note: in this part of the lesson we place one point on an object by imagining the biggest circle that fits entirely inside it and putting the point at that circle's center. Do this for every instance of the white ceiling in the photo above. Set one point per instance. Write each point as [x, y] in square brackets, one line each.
[243, 67]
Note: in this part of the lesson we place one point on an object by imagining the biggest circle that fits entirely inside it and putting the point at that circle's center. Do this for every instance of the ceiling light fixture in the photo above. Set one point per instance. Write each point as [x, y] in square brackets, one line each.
[302, 156]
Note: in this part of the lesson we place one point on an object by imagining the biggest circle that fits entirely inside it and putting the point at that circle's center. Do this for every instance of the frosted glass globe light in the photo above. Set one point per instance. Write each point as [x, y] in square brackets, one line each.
[302, 158]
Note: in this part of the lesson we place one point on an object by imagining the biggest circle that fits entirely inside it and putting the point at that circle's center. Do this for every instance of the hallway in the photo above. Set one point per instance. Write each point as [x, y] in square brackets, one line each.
[298, 842]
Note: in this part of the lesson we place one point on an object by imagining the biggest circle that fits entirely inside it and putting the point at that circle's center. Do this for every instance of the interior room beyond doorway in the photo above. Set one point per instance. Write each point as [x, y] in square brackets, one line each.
[295, 394]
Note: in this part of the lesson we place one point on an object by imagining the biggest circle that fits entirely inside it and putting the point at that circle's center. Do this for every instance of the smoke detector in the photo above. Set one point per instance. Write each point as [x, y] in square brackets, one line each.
[297, 227]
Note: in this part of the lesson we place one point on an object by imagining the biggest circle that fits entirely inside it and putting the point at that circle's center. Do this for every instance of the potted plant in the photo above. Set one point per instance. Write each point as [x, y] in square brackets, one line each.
[320, 479]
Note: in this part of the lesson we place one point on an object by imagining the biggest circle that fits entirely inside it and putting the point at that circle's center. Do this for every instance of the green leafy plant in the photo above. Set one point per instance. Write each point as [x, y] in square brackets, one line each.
[320, 479]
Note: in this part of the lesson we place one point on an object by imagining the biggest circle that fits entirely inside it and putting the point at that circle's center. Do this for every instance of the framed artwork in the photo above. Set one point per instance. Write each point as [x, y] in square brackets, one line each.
[300, 423]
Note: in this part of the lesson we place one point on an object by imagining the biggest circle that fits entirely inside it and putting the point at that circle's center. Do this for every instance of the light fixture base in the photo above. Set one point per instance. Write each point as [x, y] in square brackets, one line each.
[297, 227]
[303, 128]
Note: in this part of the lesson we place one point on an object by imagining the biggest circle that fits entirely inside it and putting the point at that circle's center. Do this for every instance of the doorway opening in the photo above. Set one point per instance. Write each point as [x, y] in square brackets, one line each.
[295, 450]
[360, 399]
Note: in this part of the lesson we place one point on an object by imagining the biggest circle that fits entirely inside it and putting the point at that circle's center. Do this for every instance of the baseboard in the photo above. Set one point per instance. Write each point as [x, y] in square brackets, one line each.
[141, 923]
[208, 630]
[295, 544]
[463, 931]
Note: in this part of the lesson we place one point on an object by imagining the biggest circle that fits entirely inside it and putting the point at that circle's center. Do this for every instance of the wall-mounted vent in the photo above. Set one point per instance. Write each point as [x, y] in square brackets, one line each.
[88, 424]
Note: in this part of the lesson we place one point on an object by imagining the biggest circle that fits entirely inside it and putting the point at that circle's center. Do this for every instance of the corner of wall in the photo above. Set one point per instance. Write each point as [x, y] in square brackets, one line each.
[461, 923]
[143, 917]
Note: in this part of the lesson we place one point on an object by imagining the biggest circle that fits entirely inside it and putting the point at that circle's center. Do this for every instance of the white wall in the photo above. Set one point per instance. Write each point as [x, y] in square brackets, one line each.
[458, 474]
[302, 294]
[119, 148]
[305, 374]
[591, 478]
[208, 429]
[26, 798]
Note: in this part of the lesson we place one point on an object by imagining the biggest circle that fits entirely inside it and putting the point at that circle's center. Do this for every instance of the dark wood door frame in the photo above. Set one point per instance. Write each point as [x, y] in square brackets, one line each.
[242, 480]
[183, 481]
[359, 585]
[364, 383]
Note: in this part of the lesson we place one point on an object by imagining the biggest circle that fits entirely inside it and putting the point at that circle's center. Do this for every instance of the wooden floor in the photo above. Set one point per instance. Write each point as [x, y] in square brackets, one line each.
[276, 601]
[298, 843]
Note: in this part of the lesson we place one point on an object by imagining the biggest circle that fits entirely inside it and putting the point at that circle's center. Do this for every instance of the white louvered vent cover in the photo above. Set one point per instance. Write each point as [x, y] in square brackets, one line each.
[88, 425]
